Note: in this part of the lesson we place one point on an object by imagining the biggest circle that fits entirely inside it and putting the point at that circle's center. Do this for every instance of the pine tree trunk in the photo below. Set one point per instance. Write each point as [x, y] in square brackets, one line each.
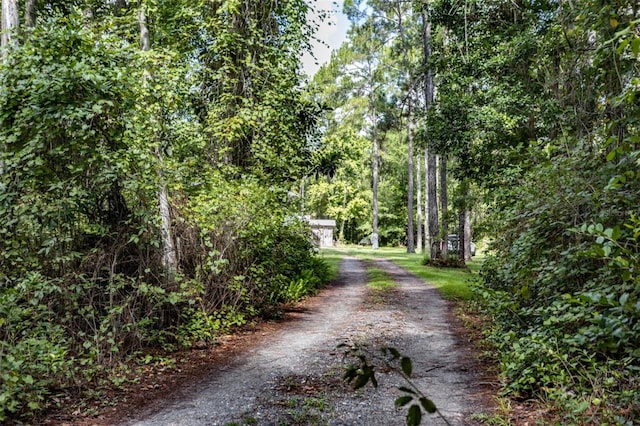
[410, 187]
[425, 155]
[419, 203]
[444, 203]
[431, 185]
[376, 159]
[344, 219]
[410, 230]
[432, 195]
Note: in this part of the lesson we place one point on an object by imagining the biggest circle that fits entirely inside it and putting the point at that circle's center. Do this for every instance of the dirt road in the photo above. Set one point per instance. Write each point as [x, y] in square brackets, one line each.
[295, 375]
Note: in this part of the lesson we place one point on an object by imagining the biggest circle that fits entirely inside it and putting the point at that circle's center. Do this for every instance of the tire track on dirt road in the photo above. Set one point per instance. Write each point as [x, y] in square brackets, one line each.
[293, 376]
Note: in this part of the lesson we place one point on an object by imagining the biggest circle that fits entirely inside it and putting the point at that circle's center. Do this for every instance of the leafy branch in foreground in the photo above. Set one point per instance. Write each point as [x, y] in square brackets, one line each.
[362, 371]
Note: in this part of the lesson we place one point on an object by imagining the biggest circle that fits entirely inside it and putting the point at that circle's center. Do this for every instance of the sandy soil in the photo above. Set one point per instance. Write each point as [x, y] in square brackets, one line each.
[291, 372]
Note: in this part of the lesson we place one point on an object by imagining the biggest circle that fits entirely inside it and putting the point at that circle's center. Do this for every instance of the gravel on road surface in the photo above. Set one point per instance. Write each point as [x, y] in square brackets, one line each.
[294, 375]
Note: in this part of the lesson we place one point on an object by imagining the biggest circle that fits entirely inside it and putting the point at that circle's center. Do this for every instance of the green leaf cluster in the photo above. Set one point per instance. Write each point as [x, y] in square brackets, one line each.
[363, 372]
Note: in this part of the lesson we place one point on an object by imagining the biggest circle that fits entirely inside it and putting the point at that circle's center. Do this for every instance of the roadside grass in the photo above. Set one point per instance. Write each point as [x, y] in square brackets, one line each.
[453, 283]
[333, 259]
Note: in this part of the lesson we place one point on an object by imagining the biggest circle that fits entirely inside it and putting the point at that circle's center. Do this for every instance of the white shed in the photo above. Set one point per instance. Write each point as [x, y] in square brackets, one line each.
[322, 230]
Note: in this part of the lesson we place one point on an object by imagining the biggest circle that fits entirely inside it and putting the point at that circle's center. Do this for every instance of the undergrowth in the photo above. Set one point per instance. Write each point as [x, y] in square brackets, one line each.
[564, 294]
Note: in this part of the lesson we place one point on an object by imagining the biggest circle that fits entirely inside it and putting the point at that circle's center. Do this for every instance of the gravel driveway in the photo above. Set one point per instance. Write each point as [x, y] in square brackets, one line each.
[295, 377]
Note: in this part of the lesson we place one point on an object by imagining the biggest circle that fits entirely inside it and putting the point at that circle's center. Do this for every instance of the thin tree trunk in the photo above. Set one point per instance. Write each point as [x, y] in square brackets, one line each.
[410, 189]
[169, 255]
[431, 185]
[425, 155]
[419, 203]
[30, 13]
[444, 203]
[145, 39]
[410, 230]
[344, 219]
[376, 159]
[10, 23]
[467, 234]
[464, 223]
[432, 195]
[302, 195]
[462, 242]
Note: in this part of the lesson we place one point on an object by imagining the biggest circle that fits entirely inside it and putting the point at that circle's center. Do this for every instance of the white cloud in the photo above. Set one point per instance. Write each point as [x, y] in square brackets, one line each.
[332, 31]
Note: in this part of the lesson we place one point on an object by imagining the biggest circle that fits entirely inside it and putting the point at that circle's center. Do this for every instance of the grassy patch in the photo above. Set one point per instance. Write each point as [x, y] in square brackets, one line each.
[453, 283]
[333, 258]
[380, 285]
[379, 280]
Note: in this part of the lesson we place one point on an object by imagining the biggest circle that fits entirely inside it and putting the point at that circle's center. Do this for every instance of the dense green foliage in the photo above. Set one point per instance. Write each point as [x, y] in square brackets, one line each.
[91, 127]
[537, 113]
[552, 131]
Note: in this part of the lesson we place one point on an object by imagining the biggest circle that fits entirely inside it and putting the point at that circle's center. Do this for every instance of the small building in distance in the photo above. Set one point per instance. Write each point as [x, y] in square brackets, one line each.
[322, 230]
